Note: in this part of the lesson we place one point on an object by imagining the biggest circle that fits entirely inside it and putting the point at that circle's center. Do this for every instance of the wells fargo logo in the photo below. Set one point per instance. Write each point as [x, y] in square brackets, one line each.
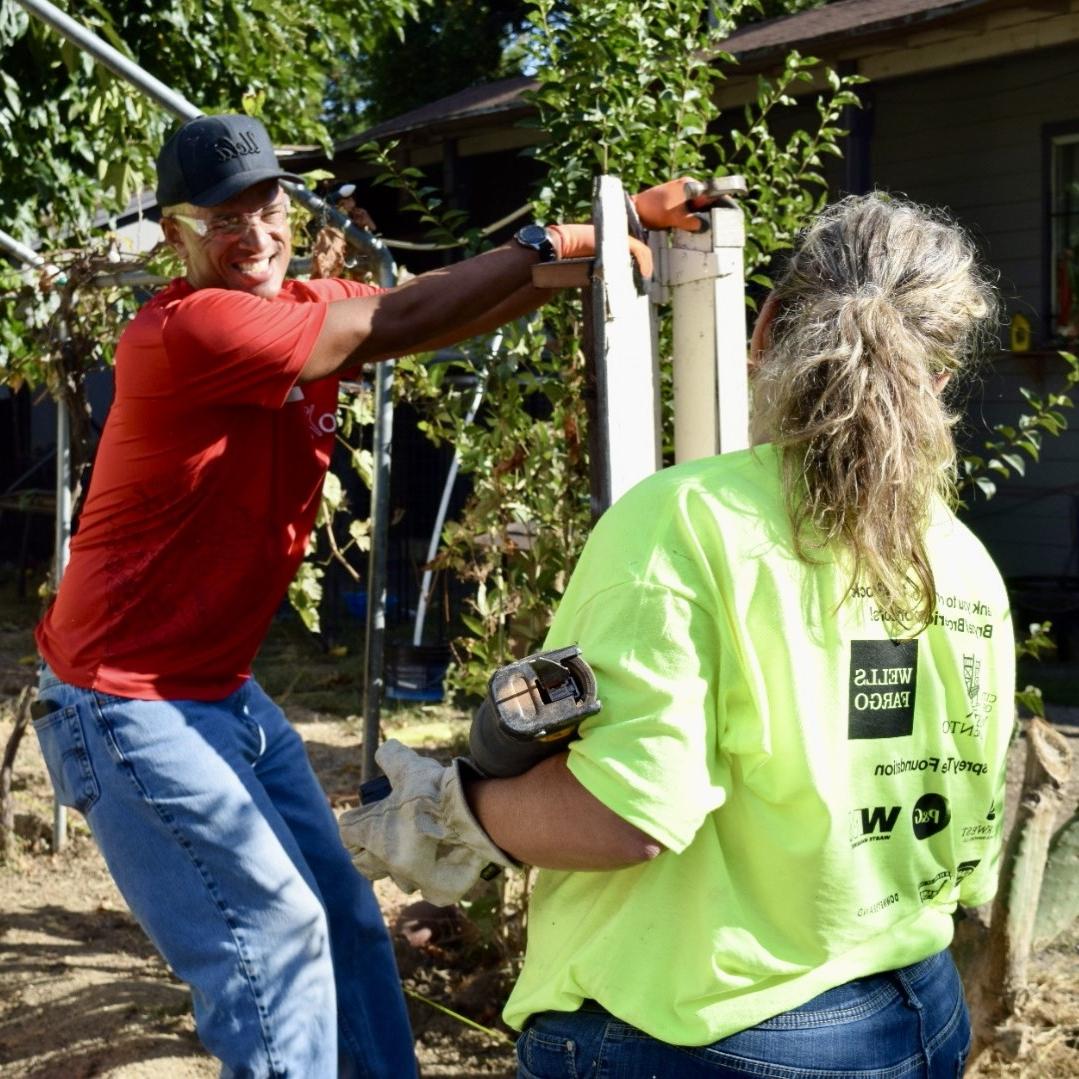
[883, 683]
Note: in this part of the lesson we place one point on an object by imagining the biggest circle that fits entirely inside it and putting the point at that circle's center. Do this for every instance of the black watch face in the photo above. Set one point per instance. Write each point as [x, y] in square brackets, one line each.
[532, 235]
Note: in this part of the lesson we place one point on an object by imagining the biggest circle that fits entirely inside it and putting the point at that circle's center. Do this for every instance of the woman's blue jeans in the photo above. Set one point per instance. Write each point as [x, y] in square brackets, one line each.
[905, 1024]
[225, 848]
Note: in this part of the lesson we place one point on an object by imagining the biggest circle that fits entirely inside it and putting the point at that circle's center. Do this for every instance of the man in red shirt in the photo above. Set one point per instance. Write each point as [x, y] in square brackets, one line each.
[206, 486]
[205, 489]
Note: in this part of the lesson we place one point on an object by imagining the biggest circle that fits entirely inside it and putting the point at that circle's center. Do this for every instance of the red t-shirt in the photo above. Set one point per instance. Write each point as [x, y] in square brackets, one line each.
[205, 487]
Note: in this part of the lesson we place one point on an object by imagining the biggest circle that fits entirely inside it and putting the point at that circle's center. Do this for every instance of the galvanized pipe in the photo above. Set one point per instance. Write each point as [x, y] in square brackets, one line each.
[21, 251]
[447, 491]
[62, 540]
[62, 519]
[114, 60]
[179, 106]
[374, 681]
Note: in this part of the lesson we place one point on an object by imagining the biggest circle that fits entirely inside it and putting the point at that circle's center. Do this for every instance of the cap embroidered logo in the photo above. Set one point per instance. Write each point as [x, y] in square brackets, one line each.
[225, 149]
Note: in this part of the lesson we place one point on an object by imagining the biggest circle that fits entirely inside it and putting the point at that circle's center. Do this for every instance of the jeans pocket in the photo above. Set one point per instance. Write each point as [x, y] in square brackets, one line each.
[63, 745]
[543, 1056]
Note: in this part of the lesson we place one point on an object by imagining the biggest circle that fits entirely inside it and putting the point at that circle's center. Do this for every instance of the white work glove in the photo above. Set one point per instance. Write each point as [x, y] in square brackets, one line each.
[422, 834]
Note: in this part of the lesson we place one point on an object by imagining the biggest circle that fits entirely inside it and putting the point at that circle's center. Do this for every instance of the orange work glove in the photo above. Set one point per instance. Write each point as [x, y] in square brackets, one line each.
[579, 241]
[677, 204]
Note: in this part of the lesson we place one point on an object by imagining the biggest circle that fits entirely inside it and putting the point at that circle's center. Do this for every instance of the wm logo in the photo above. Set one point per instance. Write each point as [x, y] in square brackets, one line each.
[879, 819]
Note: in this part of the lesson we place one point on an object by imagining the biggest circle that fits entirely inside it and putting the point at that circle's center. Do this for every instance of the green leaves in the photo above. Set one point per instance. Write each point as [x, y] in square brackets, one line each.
[66, 121]
[1038, 643]
[1003, 453]
[305, 594]
[624, 88]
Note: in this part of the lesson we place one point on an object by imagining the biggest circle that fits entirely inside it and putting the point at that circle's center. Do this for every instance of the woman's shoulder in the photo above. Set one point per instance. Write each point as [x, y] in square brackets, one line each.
[955, 550]
[744, 483]
[752, 467]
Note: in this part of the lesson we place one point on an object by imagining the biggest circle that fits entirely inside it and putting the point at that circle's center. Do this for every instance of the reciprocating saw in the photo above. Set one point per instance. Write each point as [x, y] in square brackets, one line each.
[532, 710]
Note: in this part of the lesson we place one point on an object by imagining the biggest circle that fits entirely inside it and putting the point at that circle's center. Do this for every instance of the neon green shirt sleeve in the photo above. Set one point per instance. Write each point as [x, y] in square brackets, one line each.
[650, 648]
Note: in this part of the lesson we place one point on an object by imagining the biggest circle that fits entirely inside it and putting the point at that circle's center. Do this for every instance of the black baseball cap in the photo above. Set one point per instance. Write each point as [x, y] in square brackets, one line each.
[212, 158]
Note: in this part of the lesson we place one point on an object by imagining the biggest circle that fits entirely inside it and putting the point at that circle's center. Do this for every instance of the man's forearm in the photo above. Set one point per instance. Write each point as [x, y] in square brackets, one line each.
[437, 308]
[546, 818]
[522, 302]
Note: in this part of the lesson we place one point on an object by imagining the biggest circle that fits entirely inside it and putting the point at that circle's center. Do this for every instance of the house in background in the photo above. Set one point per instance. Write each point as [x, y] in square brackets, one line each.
[972, 106]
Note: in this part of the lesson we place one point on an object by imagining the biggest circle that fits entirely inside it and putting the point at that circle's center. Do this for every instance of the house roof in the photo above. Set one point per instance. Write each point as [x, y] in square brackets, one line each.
[490, 99]
[838, 22]
[753, 45]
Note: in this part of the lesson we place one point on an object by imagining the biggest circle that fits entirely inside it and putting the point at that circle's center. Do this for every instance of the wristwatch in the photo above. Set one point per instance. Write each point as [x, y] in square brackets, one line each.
[535, 236]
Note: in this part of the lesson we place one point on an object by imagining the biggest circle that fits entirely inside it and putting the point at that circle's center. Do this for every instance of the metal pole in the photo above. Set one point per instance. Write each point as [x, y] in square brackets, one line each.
[358, 238]
[62, 517]
[374, 682]
[179, 106]
[447, 490]
[21, 251]
[63, 538]
[115, 61]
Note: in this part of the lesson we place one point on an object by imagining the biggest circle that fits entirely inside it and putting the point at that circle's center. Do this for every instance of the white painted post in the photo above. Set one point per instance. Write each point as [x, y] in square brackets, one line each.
[704, 274]
[626, 356]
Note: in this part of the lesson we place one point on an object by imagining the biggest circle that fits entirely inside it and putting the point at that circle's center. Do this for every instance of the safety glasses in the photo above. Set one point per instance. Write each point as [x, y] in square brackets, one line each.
[231, 226]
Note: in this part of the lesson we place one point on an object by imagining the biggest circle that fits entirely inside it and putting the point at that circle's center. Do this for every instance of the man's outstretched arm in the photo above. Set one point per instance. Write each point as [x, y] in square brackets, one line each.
[430, 308]
[445, 306]
[477, 296]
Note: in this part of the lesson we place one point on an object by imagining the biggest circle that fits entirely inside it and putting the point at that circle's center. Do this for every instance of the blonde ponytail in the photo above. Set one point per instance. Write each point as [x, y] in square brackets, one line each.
[881, 299]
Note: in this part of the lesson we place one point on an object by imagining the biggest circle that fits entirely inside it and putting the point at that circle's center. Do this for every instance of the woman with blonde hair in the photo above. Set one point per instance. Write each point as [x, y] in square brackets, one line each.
[753, 852]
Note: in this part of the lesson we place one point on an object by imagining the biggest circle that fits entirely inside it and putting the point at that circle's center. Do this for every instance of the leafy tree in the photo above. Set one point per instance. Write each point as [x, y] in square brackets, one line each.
[77, 141]
[455, 44]
[624, 88]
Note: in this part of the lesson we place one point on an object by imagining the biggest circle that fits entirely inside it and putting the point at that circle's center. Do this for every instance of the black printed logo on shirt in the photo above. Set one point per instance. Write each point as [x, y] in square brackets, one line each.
[930, 815]
[964, 869]
[883, 678]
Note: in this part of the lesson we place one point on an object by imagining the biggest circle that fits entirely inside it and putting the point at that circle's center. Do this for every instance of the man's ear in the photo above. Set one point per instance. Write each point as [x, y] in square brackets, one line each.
[174, 236]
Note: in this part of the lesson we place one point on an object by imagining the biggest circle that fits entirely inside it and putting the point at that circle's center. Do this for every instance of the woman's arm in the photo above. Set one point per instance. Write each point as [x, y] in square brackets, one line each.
[546, 818]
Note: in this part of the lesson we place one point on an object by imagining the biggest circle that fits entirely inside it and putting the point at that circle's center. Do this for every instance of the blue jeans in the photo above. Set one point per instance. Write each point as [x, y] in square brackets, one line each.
[906, 1024]
[225, 848]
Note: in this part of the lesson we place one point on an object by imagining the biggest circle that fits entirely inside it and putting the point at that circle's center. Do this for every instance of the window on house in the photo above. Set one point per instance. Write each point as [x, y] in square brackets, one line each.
[1064, 236]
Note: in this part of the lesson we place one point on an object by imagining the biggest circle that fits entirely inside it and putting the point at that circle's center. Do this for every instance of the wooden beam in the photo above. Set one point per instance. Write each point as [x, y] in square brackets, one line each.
[566, 273]
[1005, 42]
[1038, 24]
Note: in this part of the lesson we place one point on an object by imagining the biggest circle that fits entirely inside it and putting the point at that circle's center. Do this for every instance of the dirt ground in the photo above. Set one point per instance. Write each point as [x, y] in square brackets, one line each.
[82, 993]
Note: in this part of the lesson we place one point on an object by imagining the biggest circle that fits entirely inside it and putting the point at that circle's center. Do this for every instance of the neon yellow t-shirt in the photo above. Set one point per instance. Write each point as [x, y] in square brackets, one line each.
[826, 795]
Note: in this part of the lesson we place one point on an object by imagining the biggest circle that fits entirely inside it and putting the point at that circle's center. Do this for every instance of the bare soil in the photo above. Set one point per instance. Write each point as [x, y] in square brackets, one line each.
[83, 993]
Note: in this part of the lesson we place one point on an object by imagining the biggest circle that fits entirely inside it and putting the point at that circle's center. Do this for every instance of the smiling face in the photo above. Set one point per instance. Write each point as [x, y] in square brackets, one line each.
[242, 244]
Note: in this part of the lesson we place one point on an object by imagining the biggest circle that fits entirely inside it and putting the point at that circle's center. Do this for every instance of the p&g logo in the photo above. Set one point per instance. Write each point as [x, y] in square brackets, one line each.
[930, 815]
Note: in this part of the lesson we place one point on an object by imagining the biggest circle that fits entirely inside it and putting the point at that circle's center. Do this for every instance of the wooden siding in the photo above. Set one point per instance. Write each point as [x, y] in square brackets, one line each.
[1032, 524]
[972, 139]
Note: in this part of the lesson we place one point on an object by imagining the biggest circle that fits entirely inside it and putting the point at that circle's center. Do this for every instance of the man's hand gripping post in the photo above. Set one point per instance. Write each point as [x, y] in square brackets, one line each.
[684, 203]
